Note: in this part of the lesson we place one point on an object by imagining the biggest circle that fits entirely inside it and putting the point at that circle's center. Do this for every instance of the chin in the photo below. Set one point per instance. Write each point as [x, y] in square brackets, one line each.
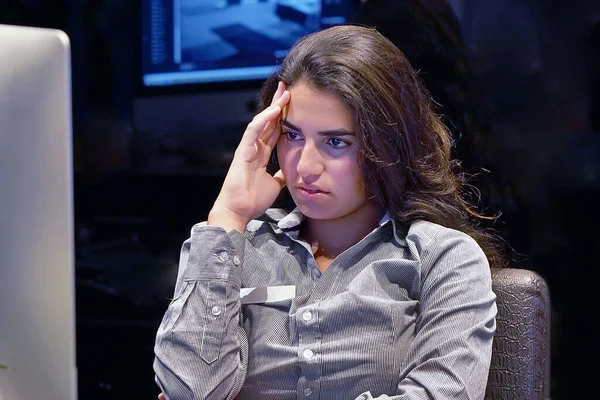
[315, 211]
[324, 213]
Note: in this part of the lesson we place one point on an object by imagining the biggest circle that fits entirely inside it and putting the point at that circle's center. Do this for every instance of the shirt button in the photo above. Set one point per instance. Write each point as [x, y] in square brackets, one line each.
[236, 260]
[308, 391]
[307, 316]
[216, 311]
[223, 256]
[308, 353]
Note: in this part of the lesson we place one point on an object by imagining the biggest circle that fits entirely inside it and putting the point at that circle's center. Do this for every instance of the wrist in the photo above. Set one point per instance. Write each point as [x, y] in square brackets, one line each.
[226, 219]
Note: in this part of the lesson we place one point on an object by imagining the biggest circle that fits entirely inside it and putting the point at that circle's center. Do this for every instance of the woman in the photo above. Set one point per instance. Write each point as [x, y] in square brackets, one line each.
[374, 285]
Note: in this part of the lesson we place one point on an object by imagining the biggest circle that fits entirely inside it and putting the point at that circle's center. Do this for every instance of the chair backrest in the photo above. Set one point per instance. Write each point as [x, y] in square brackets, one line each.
[520, 367]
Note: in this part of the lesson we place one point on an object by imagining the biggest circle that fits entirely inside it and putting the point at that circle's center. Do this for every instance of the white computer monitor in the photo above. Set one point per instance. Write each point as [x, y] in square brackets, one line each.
[37, 302]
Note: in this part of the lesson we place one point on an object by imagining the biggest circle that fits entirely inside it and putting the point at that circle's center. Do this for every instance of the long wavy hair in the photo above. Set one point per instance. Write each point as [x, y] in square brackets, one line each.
[405, 149]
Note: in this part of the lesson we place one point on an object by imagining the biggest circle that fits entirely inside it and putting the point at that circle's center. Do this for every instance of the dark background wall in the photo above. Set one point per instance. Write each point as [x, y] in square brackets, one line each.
[536, 68]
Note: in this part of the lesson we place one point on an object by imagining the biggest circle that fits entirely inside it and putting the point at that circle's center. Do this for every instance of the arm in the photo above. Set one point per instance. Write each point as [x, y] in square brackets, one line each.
[450, 355]
[198, 344]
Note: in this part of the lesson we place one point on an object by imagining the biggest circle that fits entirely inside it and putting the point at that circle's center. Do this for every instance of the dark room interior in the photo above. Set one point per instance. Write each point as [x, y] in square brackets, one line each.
[516, 81]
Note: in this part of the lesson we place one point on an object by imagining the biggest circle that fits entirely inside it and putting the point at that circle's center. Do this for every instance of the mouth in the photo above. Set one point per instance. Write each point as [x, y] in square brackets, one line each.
[310, 191]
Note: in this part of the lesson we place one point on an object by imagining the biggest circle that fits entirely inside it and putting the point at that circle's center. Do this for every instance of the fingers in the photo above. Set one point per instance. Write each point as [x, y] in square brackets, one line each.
[278, 92]
[271, 132]
[161, 396]
[258, 124]
[260, 127]
[282, 100]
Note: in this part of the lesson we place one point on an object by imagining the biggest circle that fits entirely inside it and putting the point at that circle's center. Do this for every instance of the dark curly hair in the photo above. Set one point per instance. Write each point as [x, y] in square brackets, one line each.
[405, 149]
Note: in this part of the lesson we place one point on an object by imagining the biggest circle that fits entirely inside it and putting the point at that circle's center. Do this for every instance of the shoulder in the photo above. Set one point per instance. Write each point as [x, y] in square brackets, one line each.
[444, 251]
[427, 236]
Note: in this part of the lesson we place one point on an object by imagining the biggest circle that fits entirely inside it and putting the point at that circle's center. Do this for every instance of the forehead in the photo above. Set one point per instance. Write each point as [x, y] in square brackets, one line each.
[311, 109]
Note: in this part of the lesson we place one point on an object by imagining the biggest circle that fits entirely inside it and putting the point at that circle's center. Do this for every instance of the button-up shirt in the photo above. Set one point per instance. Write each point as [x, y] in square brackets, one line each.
[406, 313]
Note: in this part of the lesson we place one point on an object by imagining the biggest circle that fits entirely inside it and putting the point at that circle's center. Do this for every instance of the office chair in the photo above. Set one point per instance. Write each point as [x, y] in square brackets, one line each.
[520, 367]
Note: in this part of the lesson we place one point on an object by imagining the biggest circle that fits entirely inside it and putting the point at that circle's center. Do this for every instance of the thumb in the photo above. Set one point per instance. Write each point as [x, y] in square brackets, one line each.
[280, 178]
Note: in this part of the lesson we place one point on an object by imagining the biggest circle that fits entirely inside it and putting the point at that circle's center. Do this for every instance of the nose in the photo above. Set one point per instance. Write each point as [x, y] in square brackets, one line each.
[310, 163]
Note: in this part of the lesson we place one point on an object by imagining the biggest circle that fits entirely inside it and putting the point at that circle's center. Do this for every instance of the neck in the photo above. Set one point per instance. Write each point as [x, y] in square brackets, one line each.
[329, 238]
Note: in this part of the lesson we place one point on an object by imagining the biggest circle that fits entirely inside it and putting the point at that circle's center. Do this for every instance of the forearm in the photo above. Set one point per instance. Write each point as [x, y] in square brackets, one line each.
[198, 342]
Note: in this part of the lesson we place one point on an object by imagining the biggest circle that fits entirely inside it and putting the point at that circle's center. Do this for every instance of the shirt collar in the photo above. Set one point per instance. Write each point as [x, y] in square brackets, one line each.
[289, 223]
[295, 218]
[386, 217]
[292, 220]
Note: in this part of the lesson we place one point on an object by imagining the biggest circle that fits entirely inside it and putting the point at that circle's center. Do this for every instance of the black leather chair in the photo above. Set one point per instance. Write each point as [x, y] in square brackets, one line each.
[520, 367]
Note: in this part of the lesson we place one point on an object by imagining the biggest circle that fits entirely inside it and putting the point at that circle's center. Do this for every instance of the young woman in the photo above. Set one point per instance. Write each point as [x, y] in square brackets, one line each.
[374, 286]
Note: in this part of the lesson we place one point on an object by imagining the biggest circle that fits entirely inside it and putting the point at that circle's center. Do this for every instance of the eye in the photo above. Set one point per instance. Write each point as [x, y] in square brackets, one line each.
[338, 143]
[292, 136]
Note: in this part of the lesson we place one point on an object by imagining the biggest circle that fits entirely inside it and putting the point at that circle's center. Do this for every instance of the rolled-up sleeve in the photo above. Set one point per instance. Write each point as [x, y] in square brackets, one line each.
[200, 346]
[450, 355]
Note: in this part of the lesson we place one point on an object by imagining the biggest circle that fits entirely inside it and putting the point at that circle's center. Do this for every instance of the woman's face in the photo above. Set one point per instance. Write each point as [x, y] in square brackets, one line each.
[318, 155]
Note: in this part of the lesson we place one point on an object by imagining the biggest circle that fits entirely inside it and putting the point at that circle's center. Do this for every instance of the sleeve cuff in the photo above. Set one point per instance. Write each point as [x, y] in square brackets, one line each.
[215, 254]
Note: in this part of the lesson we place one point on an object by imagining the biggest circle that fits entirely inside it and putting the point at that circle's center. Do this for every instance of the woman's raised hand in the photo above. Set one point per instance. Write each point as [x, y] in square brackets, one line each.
[249, 190]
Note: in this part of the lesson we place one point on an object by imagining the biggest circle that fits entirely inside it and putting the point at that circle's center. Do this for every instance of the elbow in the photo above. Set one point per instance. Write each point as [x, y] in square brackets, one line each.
[186, 383]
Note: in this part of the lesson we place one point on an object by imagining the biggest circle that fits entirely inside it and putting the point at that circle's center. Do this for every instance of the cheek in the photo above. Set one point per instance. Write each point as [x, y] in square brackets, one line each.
[356, 180]
[360, 186]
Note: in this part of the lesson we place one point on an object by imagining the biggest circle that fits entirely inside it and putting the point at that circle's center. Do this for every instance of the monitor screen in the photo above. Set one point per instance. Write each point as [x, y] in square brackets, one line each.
[201, 66]
[191, 42]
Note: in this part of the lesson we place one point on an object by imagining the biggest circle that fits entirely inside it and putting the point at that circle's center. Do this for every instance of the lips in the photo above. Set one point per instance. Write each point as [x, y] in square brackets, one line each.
[311, 192]
[311, 189]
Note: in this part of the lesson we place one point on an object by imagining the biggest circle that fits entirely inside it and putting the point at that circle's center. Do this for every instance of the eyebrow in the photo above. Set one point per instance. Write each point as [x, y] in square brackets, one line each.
[330, 132]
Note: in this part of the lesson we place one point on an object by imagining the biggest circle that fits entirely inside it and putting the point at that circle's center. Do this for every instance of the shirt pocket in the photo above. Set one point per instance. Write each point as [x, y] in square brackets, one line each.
[268, 320]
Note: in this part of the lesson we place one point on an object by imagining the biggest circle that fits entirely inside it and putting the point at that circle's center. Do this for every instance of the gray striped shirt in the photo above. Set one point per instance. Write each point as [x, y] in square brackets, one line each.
[406, 313]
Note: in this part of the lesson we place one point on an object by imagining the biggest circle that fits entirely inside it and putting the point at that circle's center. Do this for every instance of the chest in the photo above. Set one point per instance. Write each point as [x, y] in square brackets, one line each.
[355, 313]
[323, 262]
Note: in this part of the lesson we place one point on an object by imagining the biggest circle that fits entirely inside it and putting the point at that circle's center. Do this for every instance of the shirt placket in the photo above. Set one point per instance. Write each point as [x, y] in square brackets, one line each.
[309, 352]
[309, 339]
[307, 323]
